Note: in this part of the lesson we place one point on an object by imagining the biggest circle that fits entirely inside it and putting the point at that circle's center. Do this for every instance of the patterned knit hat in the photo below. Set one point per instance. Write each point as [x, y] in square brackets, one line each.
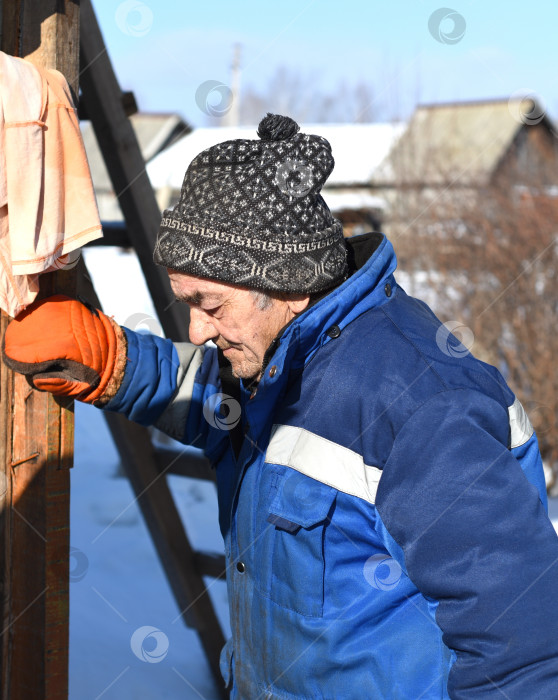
[250, 213]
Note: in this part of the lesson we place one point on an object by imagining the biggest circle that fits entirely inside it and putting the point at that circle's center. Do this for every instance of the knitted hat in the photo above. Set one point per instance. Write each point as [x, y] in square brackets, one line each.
[250, 213]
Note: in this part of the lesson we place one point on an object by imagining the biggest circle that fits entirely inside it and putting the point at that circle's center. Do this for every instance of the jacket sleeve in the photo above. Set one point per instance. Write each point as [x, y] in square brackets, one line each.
[477, 541]
[166, 385]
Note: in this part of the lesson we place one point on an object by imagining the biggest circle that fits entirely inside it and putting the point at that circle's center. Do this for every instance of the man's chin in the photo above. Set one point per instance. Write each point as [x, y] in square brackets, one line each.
[242, 371]
[244, 374]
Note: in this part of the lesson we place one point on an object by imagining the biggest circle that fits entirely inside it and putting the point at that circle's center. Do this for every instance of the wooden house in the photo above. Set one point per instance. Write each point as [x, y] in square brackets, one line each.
[451, 152]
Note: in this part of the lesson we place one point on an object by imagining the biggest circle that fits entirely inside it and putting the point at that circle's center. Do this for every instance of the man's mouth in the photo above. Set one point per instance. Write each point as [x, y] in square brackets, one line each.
[229, 349]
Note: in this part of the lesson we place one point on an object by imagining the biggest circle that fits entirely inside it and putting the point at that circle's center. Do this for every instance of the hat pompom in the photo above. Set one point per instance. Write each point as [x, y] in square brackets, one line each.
[274, 127]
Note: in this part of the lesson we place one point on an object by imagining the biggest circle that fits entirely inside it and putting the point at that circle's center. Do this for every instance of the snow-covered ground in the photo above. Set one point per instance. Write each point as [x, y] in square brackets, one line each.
[126, 640]
[118, 585]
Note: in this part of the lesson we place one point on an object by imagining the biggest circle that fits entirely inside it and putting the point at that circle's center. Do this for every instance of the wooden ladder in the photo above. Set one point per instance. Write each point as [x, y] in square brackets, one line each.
[146, 465]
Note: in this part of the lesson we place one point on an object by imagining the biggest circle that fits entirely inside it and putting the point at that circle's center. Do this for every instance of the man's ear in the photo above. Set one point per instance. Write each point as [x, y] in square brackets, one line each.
[297, 302]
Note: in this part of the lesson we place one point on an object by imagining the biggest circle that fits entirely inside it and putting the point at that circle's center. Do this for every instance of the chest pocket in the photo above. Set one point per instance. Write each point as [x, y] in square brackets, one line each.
[292, 553]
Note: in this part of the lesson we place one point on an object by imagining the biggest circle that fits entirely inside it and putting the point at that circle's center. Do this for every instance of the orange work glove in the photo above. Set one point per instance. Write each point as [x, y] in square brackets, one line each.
[67, 348]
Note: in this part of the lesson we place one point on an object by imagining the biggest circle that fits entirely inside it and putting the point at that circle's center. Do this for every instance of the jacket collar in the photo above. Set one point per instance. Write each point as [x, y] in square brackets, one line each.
[363, 290]
[372, 262]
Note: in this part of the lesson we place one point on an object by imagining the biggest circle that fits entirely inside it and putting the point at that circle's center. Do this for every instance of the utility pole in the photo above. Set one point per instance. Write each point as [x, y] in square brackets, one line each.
[36, 437]
[232, 118]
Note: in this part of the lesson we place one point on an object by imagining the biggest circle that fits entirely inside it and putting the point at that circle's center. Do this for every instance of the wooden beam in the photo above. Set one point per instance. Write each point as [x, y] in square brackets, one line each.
[193, 466]
[114, 234]
[173, 547]
[36, 439]
[102, 99]
[209, 564]
[128, 103]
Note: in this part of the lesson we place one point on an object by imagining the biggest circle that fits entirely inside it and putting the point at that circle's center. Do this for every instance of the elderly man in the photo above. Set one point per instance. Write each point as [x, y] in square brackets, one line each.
[381, 493]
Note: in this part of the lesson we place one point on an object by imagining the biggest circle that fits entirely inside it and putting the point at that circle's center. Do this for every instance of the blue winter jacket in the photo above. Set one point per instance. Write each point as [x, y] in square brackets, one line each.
[384, 515]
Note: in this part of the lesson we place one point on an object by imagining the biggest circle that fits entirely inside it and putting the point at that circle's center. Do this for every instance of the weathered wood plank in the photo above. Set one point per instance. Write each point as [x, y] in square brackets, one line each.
[6, 398]
[37, 438]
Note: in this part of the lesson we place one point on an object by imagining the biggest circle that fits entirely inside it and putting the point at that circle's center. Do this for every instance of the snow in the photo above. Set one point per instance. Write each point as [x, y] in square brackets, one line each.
[119, 595]
[120, 286]
[355, 200]
[118, 585]
[358, 149]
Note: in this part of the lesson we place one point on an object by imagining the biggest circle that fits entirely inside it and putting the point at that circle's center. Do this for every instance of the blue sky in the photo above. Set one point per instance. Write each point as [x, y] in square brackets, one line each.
[164, 50]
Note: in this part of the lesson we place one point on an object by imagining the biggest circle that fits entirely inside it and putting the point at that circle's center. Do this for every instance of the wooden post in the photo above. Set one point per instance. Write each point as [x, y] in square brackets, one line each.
[36, 439]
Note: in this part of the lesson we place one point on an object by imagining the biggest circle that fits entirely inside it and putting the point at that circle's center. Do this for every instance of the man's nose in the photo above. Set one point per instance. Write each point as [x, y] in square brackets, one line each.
[201, 328]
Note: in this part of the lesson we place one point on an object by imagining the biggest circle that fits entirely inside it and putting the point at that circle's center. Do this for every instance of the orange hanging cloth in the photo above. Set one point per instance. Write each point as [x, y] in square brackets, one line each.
[47, 202]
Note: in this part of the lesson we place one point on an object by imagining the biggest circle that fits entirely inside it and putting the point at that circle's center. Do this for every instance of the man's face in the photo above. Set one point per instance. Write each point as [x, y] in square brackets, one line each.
[233, 319]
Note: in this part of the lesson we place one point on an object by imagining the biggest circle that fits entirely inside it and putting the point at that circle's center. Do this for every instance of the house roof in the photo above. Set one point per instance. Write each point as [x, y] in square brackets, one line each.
[154, 132]
[357, 149]
[456, 142]
[353, 200]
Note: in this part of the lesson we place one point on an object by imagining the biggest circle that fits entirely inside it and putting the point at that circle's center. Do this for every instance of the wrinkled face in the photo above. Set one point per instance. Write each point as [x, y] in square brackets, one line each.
[233, 319]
